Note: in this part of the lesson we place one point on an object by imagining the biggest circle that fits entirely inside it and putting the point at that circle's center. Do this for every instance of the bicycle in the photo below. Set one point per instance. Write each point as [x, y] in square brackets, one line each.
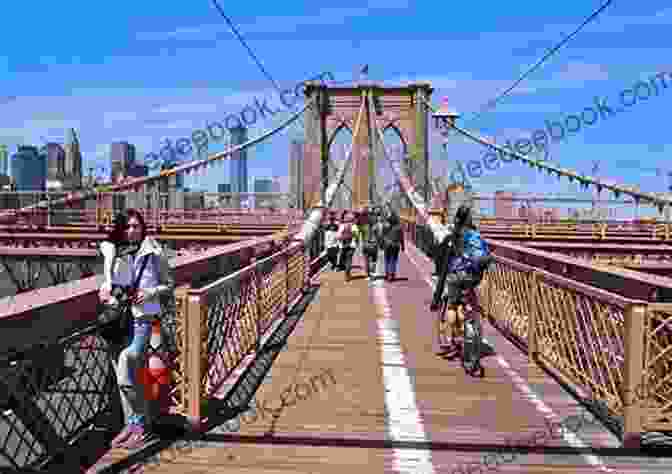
[471, 347]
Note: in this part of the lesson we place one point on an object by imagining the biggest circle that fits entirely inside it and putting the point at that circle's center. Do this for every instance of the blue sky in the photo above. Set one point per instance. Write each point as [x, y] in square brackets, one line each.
[144, 71]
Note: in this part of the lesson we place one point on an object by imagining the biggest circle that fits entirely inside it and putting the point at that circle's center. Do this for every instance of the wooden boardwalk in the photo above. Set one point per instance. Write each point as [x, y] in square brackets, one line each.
[362, 390]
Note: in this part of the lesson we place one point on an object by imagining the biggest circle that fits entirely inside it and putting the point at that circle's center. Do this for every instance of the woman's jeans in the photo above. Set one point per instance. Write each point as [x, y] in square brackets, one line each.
[391, 259]
[130, 370]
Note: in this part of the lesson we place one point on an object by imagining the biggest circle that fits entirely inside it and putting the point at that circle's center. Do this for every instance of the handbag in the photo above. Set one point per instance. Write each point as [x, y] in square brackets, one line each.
[118, 328]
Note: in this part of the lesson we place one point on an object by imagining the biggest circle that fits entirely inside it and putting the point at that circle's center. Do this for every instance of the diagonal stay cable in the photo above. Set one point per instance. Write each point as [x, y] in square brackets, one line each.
[330, 196]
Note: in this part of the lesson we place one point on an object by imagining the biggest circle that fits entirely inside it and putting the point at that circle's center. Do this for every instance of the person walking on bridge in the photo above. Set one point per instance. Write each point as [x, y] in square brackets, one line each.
[393, 244]
[331, 241]
[136, 267]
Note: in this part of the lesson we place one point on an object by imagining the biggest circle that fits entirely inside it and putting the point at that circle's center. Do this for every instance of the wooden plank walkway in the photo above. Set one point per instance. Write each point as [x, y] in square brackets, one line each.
[362, 390]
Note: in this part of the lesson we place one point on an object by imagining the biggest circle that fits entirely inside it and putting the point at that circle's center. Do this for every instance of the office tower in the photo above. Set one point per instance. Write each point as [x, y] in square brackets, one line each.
[55, 166]
[296, 173]
[238, 175]
[122, 157]
[224, 188]
[73, 161]
[504, 204]
[138, 171]
[263, 185]
[29, 169]
[4, 160]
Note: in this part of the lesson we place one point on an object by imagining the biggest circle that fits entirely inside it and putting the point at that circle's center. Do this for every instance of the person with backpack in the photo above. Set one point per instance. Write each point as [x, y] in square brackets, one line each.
[136, 269]
[461, 260]
[393, 244]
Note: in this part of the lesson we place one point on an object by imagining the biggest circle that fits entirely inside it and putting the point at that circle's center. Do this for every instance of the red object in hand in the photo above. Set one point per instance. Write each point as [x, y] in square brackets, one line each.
[152, 379]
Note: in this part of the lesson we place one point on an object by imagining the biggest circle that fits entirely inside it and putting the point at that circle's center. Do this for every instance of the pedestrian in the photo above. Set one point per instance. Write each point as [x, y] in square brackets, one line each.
[331, 241]
[374, 243]
[347, 237]
[136, 268]
[393, 244]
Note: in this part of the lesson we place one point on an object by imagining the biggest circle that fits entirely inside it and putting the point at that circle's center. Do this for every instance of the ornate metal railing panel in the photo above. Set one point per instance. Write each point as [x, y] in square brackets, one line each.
[50, 394]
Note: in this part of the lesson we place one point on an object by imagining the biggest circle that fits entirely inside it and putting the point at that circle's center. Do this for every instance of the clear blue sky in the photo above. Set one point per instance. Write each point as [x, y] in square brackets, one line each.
[144, 71]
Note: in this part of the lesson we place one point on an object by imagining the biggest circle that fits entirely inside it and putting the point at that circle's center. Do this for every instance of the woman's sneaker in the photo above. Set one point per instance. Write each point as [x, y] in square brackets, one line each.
[137, 439]
[122, 437]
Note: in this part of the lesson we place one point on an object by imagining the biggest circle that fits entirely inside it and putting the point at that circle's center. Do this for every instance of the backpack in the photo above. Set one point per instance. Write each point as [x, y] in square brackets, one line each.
[476, 251]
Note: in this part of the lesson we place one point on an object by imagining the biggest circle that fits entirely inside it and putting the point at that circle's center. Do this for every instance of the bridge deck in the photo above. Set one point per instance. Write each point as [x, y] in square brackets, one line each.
[387, 404]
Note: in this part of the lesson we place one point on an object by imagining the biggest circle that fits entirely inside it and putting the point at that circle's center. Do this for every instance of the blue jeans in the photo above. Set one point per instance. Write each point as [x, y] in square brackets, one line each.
[391, 260]
[131, 360]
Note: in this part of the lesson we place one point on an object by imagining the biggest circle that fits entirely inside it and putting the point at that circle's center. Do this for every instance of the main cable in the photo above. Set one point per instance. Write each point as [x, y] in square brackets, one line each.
[491, 104]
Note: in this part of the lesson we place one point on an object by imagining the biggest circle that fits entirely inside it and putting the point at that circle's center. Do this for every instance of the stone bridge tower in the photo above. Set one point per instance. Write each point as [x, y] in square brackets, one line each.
[397, 107]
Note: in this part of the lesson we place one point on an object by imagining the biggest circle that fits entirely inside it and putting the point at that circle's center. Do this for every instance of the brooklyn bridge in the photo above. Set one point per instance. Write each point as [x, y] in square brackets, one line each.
[269, 361]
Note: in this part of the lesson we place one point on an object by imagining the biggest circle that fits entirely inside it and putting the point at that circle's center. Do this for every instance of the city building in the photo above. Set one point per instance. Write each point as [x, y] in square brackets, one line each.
[73, 162]
[224, 188]
[4, 160]
[538, 214]
[55, 166]
[122, 159]
[138, 171]
[296, 173]
[504, 207]
[263, 185]
[29, 169]
[239, 179]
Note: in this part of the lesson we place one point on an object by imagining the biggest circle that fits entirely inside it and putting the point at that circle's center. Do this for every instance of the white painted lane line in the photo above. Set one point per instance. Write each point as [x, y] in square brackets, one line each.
[403, 419]
[569, 436]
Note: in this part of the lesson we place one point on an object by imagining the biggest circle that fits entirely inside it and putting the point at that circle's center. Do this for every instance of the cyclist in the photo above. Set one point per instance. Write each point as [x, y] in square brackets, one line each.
[461, 260]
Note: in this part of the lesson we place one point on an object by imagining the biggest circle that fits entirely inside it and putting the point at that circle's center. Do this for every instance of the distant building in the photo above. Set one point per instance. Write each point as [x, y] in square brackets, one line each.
[239, 178]
[73, 162]
[224, 188]
[55, 167]
[138, 171]
[29, 169]
[504, 207]
[263, 185]
[296, 172]
[122, 159]
[4, 160]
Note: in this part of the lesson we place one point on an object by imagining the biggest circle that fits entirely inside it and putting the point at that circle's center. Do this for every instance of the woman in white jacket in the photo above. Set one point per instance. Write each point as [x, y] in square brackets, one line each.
[124, 252]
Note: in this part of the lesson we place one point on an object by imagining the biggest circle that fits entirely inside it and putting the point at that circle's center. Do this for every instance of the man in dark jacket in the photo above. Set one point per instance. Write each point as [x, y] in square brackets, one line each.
[393, 243]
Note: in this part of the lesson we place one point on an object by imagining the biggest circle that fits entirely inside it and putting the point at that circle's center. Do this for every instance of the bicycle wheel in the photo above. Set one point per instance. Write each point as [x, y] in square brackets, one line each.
[471, 355]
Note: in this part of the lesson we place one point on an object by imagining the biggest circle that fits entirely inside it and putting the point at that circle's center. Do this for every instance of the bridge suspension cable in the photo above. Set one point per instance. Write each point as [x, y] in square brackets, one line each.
[584, 181]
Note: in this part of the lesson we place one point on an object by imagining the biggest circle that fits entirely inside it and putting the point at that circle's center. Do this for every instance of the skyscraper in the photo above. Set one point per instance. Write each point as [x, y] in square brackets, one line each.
[4, 160]
[29, 169]
[73, 161]
[296, 173]
[504, 204]
[55, 166]
[239, 161]
[122, 157]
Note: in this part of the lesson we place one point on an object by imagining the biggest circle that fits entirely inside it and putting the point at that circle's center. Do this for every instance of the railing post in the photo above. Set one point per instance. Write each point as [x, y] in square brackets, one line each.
[532, 322]
[286, 282]
[633, 375]
[258, 280]
[193, 318]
